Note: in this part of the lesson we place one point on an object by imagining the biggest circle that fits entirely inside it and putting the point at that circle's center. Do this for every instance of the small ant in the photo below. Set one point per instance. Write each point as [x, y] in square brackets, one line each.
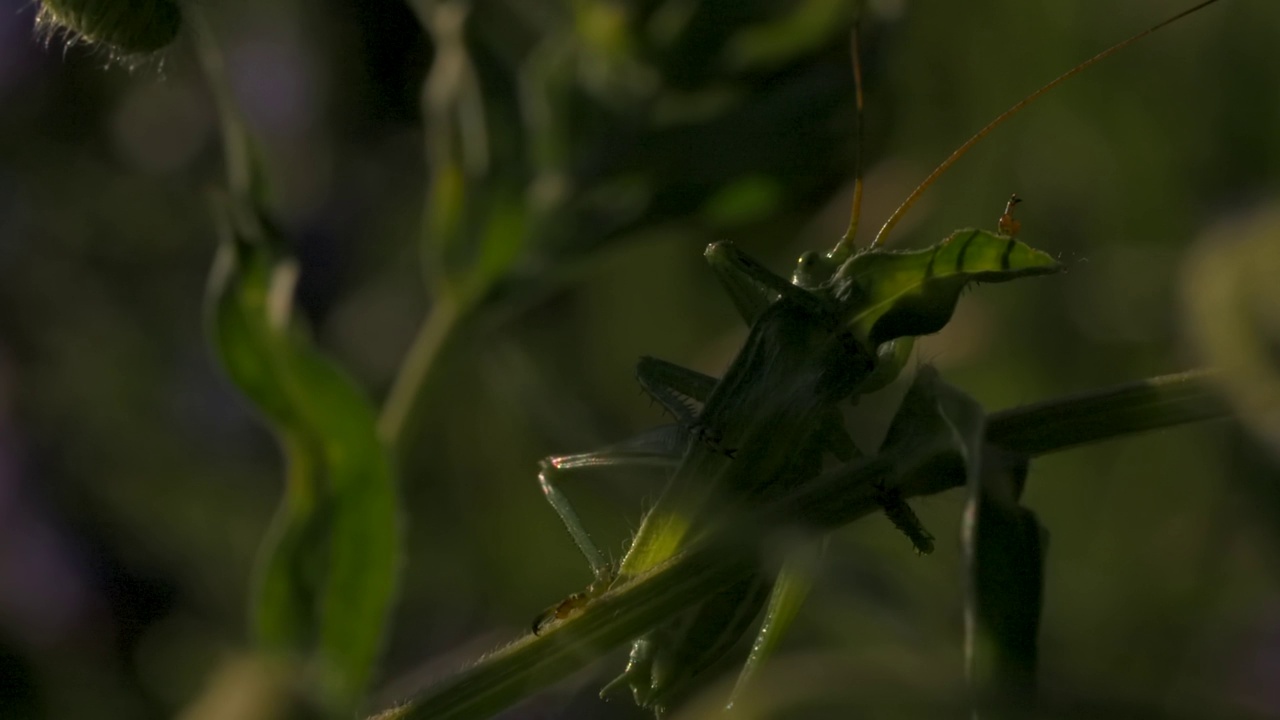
[1007, 224]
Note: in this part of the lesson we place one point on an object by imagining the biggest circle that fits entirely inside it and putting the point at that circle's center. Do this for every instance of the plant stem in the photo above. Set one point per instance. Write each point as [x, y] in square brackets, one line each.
[532, 663]
[1074, 420]
[403, 402]
[625, 612]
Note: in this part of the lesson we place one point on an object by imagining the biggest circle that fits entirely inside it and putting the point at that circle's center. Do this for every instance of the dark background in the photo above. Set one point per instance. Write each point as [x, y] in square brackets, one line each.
[135, 484]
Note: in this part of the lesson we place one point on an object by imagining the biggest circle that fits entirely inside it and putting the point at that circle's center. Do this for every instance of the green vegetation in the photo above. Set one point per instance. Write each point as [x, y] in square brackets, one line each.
[578, 158]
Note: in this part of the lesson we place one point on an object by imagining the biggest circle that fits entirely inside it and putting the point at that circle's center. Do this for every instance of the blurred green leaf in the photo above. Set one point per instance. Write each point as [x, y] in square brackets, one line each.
[1233, 305]
[251, 687]
[772, 43]
[476, 222]
[614, 119]
[743, 200]
[328, 568]
[1005, 548]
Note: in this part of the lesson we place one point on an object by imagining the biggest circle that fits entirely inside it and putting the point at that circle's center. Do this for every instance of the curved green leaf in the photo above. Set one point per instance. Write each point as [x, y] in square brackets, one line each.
[888, 295]
[327, 571]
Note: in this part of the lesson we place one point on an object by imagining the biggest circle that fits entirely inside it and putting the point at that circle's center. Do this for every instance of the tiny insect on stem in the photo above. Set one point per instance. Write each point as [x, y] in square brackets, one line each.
[1008, 224]
[575, 602]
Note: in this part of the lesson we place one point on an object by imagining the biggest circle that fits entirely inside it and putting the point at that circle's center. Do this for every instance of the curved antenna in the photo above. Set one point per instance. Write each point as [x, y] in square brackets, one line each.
[844, 248]
[1017, 107]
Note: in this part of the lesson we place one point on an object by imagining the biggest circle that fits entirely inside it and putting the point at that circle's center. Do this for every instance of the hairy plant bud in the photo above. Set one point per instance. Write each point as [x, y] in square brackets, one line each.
[126, 27]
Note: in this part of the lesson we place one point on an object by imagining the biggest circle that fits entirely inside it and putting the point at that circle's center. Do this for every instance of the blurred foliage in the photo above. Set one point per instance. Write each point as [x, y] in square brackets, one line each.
[328, 567]
[135, 485]
[1234, 311]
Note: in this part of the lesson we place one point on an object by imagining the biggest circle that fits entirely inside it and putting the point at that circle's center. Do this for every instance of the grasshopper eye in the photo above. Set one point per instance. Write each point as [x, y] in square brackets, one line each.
[811, 270]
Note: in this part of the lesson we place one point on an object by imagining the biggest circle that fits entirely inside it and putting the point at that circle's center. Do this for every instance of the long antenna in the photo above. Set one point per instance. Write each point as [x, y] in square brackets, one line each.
[844, 248]
[1017, 107]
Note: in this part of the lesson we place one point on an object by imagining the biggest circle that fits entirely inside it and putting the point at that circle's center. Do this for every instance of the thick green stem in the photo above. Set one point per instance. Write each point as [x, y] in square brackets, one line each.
[534, 663]
[528, 665]
[1066, 422]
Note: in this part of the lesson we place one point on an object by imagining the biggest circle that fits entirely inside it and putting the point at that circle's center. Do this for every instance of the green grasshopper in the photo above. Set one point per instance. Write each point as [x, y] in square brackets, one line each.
[842, 326]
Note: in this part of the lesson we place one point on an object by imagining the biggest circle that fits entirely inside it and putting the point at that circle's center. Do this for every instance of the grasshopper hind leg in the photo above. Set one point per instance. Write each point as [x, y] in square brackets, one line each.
[660, 448]
[679, 390]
